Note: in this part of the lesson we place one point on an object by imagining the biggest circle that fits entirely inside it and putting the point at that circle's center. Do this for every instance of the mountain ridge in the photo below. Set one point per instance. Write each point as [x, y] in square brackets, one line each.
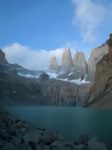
[43, 90]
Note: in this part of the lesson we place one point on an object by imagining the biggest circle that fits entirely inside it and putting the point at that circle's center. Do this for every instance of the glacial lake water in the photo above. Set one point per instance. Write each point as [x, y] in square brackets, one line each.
[71, 122]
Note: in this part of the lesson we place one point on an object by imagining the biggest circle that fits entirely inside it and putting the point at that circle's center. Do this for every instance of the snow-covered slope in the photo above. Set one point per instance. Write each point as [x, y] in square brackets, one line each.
[53, 75]
[28, 75]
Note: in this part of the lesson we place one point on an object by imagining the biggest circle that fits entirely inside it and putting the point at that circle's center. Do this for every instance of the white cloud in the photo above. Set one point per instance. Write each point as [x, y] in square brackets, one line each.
[29, 58]
[89, 16]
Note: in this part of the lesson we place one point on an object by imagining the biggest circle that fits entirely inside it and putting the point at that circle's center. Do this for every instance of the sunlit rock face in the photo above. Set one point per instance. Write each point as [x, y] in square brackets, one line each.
[79, 63]
[101, 92]
[2, 57]
[67, 62]
[53, 64]
[96, 55]
[76, 68]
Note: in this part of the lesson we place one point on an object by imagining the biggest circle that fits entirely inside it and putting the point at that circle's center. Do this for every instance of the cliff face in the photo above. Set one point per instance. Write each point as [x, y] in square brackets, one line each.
[67, 62]
[59, 92]
[101, 92]
[96, 55]
[79, 63]
[53, 64]
[64, 93]
[2, 57]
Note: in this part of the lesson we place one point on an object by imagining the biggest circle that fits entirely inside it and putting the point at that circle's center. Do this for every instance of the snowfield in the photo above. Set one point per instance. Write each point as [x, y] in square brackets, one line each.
[53, 75]
[27, 75]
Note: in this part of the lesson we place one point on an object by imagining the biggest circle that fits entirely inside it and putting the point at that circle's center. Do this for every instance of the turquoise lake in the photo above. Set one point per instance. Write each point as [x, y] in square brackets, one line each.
[71, 122]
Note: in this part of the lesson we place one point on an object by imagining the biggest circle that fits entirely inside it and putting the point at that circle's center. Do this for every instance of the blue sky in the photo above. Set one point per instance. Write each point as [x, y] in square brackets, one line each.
[37, 23]
[51, 25]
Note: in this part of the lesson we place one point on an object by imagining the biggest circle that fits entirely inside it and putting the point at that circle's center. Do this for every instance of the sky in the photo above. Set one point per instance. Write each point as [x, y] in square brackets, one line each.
[31, 31]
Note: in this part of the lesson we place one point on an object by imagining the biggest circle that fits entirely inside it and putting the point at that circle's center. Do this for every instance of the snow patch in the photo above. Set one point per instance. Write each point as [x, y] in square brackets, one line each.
[79, 81]
[70, 74]
[27, 75]
[53, 75]
[76, 81]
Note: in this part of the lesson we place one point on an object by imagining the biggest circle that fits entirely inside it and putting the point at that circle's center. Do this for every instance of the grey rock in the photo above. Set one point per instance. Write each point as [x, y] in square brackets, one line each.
[80, 63]
[94, 145]
[69, 144]
[32, 136]
[43, 76]
[96, 55]
[25, 146]
[81, 147]
[67, 62]
[45, 147]
[16, 141]
[57, 145]
[2, 57]
[9, 146]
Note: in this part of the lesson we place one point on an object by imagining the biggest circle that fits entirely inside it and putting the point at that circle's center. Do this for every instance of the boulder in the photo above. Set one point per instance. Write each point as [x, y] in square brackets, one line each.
[44, 76]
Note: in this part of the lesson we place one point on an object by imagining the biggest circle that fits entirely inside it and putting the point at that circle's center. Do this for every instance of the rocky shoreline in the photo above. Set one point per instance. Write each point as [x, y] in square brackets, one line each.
[18, 135]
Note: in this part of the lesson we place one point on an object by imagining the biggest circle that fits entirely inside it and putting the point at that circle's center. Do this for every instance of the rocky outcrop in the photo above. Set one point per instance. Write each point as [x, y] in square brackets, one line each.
[96, 55]
[77, 66]
[2, 57]
[79, 63]
[53, 66]
[67, 62]
[101, 92]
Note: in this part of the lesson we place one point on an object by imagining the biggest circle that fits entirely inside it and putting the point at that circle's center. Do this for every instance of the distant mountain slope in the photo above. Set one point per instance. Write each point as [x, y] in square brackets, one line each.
[16, 90]
[19, 86]
[76, 66]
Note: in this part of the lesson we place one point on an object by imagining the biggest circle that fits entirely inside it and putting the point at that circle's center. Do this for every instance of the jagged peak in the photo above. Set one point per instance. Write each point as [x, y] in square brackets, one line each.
[53, 60]
[53, 65]
[53, 57]
[79, 55]
[67, 49]
[67, 59]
